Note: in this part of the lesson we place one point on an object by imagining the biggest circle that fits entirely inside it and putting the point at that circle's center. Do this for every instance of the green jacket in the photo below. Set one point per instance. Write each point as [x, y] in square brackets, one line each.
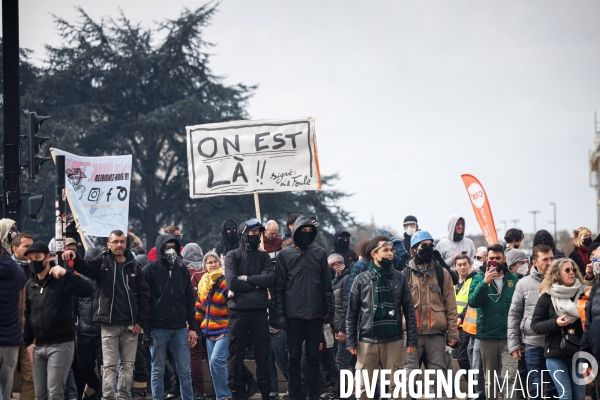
[492, 311]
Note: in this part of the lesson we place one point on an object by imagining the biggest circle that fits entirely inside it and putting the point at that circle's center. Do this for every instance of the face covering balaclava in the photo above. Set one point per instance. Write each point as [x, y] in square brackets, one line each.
[424, 255]
[253, 242]
[170, 256]
[232, 234]
[36, 266]
[342, 243]
[587, 241]
[304, 239]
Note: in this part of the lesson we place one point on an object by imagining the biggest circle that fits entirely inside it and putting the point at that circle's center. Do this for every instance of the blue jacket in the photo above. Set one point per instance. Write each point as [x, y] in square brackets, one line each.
[12, 280]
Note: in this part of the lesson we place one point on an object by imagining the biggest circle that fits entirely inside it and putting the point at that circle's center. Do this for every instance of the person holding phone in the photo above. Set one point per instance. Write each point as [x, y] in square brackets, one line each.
[491, 294]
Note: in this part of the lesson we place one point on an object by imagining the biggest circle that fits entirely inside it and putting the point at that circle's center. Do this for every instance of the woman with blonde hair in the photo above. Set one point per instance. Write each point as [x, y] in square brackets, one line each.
[556, 316]
[582, 241]
[213, 315]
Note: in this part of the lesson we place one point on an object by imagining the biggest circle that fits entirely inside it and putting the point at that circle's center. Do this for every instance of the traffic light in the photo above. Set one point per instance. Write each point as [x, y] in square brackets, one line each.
[35, 162]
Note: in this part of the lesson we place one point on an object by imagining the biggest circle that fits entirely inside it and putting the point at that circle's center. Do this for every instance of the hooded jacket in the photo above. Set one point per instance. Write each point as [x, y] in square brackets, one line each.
[340, 288]
[12, 281]
[256, 265]
[359, 320]
[303, 281]
[49, 309]
[85, 314]
[102, 269]
[435, 307]
[492, 310]
[448, 247]
[520, 313]
[192, 258]
[224, 246]
[172, 297]
[349, 255]
[6, 225]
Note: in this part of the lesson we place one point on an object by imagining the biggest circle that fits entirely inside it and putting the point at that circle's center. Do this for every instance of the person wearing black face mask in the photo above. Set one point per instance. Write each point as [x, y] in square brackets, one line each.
[582, 240]
[49, 320]
[249, 274]
[303, 302]
[341, 246]
[432, 290]
[230, 240]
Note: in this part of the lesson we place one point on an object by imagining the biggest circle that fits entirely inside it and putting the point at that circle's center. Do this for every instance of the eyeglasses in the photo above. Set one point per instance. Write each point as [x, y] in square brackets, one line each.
[117, 242]
[480, 258]
[336, 263]
[211, 262]
[568, 270]
[383, 244]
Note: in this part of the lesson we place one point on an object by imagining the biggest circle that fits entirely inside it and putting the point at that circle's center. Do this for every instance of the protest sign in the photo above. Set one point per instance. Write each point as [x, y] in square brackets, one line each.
[98, 191]
[481, 207]
[243, 157]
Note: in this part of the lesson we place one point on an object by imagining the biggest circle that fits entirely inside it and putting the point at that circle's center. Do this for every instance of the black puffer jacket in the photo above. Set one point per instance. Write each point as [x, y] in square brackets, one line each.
[102, 270]
[543, 322]
[172, 297]
[340, 288]
[303, 281]
[85, 315]
[257, 266]
[49, 316]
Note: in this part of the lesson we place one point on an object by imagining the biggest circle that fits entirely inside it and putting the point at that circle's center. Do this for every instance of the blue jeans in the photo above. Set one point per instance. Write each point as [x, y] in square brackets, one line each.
[218, 352]
[177, 340]
[279, 355]
[536, 363]
[561, 375]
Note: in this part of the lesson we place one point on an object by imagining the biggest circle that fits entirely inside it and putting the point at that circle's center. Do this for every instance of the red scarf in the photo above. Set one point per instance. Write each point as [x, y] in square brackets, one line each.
[583, 256]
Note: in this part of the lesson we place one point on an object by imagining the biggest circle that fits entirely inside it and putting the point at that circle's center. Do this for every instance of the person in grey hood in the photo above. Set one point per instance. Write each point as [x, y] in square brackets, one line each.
[455, 242]
[8, 230]
[303, 302]
[249, 274]
[522, 340]
[172, 301]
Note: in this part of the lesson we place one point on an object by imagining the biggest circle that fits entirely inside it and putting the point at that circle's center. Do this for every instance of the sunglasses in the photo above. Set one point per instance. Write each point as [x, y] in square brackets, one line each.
[336, 263]
[568, 270]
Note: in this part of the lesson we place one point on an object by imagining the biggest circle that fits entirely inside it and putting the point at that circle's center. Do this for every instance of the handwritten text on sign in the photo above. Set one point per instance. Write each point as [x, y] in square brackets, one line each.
[252, 156]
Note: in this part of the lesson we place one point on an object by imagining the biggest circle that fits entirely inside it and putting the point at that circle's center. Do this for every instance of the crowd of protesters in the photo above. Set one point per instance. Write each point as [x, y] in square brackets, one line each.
[120, 323]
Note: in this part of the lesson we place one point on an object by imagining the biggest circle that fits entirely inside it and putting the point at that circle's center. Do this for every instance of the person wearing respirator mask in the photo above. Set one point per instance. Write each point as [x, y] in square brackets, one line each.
[517, 262]
[172, 310]
[411, 225]
[248, 274]
[8, 230]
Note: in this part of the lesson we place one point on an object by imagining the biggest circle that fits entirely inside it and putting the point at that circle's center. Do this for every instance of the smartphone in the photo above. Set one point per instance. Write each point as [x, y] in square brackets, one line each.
[464, 252]
[492, 264]
[313, 219]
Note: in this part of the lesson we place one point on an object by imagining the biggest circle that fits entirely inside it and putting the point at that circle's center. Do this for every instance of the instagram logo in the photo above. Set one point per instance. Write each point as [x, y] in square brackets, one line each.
[579, 365]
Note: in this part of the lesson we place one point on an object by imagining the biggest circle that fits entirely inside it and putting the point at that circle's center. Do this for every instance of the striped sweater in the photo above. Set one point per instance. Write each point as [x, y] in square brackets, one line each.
[213, 314]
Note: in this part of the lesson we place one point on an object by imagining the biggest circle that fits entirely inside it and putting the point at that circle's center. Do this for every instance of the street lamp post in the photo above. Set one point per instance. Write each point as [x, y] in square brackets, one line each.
[534, 224]
[504, 222]
[514, 221]
[553, 204]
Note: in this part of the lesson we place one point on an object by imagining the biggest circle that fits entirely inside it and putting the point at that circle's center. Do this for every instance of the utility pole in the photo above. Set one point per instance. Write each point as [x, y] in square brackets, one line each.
[12, 111]
[504, 222]
[553, 204]
[534, 224]
[514, 221]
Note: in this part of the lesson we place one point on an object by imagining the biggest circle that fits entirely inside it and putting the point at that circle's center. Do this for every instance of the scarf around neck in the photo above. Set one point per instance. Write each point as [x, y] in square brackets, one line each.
[562, 299]
[384, 312]
[207, 282]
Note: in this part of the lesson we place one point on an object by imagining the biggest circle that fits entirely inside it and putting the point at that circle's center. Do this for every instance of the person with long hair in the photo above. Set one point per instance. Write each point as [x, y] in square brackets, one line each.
[582, 239]
[213, 315]
[556, 316]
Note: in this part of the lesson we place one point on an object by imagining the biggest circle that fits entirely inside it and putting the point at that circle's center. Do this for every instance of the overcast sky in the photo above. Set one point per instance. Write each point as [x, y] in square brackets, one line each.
[409, 95]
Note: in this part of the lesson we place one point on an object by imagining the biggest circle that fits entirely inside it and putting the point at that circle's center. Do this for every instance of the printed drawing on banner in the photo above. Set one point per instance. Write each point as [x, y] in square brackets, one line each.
[252, 157]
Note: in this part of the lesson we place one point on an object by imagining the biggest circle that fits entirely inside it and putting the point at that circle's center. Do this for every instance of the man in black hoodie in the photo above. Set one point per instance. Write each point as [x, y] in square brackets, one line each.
[230, 240]
[49, 311]
[172, 300]
[303, 302]
[249, 273]
[121, 306]
[341, 246]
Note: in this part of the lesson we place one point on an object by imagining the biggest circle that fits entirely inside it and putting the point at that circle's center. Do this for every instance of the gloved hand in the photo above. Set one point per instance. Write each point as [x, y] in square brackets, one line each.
[282, 323]
[329, 318]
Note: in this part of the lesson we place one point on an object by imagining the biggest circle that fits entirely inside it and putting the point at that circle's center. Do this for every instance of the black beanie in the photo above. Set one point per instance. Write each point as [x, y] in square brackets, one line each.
[592, 247]
[411, 218]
